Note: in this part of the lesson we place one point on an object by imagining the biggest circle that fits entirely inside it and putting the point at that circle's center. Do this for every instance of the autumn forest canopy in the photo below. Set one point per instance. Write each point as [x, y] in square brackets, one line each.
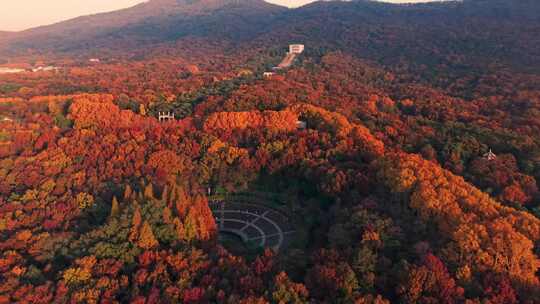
[154, 155]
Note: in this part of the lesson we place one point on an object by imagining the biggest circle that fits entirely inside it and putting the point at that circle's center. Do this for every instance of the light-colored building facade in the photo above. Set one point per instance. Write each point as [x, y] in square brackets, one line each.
[296, 48]
[165, 116]
[45, 69]
[4, 70]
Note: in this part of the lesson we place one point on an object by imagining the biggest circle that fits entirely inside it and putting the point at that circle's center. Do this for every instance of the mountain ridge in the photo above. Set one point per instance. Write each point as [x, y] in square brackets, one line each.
[155, 12]
[361, 27]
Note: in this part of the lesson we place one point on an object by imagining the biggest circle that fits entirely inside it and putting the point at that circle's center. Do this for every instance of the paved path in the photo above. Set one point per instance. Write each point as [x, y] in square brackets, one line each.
[287, 61]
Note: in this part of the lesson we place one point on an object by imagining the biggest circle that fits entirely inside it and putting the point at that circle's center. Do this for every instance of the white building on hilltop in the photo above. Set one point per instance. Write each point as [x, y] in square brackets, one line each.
[296, 48]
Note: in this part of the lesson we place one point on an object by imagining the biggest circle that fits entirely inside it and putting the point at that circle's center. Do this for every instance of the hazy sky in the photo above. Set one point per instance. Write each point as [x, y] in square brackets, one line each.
[22, 14]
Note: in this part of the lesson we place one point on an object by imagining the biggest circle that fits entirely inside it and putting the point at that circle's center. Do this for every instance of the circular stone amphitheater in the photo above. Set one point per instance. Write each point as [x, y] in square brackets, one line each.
[253, 223]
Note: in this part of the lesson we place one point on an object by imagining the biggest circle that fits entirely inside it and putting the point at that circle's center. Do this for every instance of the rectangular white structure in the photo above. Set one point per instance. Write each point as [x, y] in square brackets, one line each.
[10, 70]
[296, 48]
[45, 69]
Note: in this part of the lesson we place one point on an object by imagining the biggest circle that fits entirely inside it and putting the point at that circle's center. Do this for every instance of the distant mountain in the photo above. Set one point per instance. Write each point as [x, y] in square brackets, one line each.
[471, 38]
[4, 34]
[464, 34]
[388, 31]
[153, 21]
[154, 10]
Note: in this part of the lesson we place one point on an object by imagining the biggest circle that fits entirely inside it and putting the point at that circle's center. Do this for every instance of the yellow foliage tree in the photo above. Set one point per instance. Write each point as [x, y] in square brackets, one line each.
[135, 224]
[190, 229]
[115, 208]
[147, 240]
[149, 191]
[142, 110]
[167, 215]
[74, 276]
[84, 200]
[127, 192]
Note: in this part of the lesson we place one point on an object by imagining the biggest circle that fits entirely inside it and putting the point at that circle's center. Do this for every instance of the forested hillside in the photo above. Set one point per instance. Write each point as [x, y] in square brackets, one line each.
[146, 24]
[398, 158]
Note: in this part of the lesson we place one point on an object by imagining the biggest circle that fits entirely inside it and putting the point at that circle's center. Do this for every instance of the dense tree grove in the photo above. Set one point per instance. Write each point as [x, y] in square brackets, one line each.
[101, 203]
[406, 177]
